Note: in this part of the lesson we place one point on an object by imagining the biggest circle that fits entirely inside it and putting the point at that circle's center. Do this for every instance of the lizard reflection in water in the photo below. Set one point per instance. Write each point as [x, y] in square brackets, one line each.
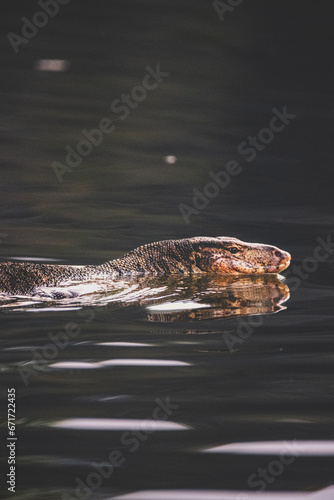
[216, 296]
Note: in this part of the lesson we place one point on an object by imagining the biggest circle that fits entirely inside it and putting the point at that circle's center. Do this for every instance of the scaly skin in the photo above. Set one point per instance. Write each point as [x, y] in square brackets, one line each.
[221, 255]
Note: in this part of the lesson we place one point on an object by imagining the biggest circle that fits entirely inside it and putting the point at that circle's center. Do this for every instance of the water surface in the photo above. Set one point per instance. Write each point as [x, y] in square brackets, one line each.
[177, 388]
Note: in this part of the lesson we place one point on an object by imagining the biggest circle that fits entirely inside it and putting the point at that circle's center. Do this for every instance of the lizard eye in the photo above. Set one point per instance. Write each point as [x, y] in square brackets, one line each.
[234, 250]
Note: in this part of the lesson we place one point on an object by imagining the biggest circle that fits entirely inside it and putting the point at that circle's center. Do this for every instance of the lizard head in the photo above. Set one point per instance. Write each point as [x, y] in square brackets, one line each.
[232, 256]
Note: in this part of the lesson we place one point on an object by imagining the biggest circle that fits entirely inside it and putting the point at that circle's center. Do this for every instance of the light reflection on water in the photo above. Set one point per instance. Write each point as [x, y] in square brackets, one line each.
[326, 494]
[103, 424]
[75, 365]
[298, 448]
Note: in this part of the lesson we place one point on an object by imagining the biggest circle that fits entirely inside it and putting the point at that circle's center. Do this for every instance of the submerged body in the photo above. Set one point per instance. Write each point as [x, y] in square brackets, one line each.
[200, 254]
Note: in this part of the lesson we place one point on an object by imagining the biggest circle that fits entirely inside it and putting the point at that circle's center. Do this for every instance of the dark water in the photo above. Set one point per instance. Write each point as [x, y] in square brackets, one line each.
[177, 389]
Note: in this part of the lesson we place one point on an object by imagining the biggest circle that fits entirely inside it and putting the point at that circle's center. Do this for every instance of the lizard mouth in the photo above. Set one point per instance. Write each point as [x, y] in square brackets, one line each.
[284, 262]
[277, 264]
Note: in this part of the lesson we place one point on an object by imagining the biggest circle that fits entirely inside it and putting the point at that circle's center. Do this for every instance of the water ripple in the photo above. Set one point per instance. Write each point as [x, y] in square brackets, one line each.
[117, 362]
[325, 494]
[297, 448]
[118, 424]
